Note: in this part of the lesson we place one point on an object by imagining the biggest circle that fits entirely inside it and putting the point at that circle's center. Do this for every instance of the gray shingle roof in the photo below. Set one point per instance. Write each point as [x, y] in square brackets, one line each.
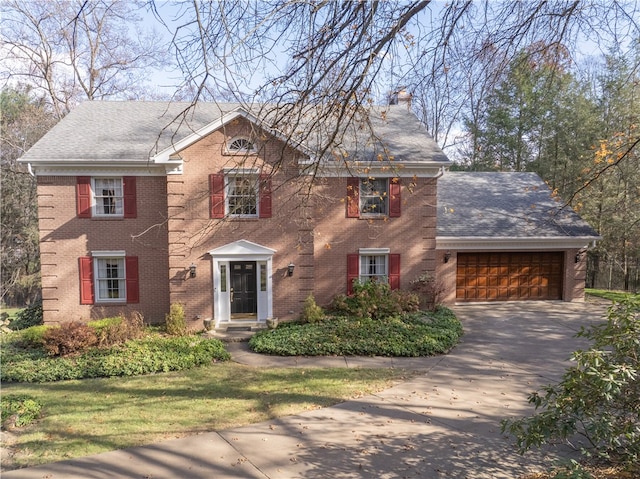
[504, 205]
[130, 130]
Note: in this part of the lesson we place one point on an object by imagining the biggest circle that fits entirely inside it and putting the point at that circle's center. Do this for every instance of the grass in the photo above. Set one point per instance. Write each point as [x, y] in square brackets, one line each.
[610, 295]
[90, 416]
[10, 311]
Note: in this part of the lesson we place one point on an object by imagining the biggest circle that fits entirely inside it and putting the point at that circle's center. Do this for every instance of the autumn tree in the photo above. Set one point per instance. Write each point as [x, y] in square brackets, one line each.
[324, 63]
[24, 120]
[69, 51]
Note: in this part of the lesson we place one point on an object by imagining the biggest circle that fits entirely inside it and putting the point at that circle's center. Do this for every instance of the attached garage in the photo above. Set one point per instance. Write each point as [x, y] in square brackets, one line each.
[506, 237]
[507, 276]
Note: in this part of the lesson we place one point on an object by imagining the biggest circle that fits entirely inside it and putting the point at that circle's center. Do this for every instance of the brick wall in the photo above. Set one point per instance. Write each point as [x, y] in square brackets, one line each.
[64, 238]
[192, 233]
[412, 235]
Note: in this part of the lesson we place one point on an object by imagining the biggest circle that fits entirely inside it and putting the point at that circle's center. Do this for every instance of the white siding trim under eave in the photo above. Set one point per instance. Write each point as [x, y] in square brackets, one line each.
[474, 243]
[95, 168]
[387, 169]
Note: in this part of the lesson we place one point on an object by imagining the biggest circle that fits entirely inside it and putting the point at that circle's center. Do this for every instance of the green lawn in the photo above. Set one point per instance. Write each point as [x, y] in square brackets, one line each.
[610, 295]
[90, 416]
[10, 311]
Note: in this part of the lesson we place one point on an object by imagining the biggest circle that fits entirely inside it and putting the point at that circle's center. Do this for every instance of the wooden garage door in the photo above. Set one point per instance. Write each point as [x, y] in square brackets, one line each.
[509, 276]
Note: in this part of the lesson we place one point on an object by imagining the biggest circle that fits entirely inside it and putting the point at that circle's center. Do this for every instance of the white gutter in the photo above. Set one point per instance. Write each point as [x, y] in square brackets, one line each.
[488, 243]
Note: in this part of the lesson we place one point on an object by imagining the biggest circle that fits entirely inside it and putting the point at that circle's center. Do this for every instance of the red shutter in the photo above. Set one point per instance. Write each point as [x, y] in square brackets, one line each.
[129, 188]
[216, 191]
[394, 271]
[83, 196]
[265, 196]
[353, 197]
[86, 279]
[394, 198]
[133, 284]
[353, 271]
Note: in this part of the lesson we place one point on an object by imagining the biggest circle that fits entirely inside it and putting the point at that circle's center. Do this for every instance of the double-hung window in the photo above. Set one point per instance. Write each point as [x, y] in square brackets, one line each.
[373, 267]
[109, 277]
[108, 197]
[373, 264]
[242, 195]
[374, 197]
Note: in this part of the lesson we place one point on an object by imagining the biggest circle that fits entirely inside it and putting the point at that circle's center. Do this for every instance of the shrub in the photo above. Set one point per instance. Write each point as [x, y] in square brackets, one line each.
[29, 316]
[175, 322]
[18, 410]
[428, 290]
[33, 337]
[373, 299]
[311, 312]
[598, 397]
[407, 335]
[69, 338]
[117, 330]
[143, 356]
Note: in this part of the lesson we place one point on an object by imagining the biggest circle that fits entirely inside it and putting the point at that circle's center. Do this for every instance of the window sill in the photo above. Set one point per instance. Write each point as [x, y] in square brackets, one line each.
[107, 218]
[119, 302]
[243, 218]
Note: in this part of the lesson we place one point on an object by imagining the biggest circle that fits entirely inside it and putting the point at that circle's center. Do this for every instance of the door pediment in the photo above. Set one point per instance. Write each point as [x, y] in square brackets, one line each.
[243, 249]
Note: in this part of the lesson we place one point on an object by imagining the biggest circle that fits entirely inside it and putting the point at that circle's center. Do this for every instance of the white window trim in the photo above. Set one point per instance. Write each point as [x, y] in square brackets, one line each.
[241, 172]
[102, 255]
[241, 151]
[373, 252]
[365, 214]
[96, 210]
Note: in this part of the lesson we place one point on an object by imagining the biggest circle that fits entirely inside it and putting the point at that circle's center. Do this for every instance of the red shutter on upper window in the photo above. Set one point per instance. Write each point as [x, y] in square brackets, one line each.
[353, 197]
[216, 191]
[353, 271]
[394, 198]
[86, 279]
[265, 196]
[133, 283]
[83, 196]
[394, 271]
[129, 189]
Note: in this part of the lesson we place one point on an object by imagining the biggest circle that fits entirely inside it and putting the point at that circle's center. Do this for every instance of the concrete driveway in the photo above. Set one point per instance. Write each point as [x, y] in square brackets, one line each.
[444, 423]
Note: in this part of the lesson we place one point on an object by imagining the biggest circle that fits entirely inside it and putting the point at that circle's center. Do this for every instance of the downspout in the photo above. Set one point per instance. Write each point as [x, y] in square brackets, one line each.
[30, 170]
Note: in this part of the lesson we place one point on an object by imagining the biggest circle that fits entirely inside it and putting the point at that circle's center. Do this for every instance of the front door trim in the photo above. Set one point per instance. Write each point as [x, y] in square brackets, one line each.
[241, 250]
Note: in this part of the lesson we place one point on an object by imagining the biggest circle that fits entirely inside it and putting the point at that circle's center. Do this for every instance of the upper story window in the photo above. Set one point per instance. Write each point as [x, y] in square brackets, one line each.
[108, 197]
[240, 193]
[373, 197]
[242, 196]
[240, 145]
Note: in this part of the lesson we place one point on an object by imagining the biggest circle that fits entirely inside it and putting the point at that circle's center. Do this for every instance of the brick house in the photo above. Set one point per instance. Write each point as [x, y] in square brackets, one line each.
[144, 204]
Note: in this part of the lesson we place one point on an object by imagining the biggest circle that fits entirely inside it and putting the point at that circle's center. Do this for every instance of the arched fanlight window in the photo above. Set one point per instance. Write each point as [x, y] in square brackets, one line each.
[240, 145]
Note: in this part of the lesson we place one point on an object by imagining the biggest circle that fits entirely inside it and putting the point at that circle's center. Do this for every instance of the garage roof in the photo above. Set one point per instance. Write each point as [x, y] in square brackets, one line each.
[505, 205]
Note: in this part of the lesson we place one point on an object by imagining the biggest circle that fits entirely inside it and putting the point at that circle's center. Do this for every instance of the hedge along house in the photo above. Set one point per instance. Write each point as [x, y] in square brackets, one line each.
[144, 204]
